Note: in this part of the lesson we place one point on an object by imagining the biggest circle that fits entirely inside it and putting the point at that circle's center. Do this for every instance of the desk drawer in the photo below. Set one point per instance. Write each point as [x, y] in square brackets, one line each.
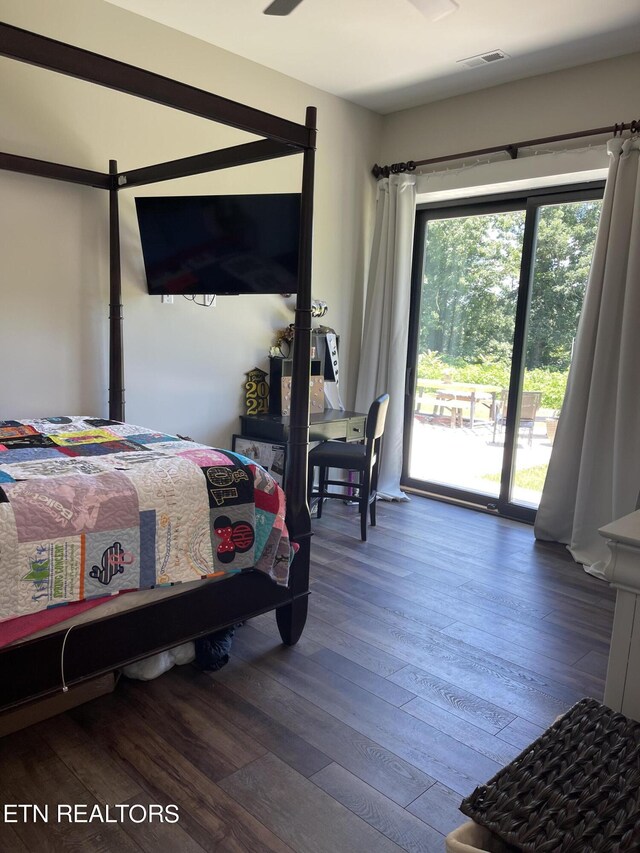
[328, 430]
[356, 428]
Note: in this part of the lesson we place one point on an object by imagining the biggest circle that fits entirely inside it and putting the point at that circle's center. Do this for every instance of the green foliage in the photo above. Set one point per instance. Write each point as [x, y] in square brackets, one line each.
[483, 374]
[552, 383]
[566, 235]
[471, 274]
[471, 278]
[430, 365]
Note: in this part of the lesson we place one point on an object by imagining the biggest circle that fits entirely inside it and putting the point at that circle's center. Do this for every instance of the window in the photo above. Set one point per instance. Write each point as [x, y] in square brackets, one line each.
[497, 291]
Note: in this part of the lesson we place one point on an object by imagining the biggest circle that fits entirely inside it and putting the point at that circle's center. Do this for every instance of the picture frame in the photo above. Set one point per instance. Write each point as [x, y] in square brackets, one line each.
[271, 455]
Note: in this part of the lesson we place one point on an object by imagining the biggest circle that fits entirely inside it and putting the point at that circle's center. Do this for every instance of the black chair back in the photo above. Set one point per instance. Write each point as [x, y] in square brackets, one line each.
[364, 459]
[376, 418]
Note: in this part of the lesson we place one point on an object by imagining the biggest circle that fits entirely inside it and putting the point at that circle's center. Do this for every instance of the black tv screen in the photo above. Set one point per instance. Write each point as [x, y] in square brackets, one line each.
[220, 244]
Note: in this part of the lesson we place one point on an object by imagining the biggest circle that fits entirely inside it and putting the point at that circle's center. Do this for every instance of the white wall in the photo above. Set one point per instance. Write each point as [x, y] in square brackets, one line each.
[589, 96]
[184, 365]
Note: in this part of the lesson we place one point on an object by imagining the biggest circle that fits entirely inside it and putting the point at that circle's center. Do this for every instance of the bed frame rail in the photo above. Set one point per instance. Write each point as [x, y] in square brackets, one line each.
[37, 667]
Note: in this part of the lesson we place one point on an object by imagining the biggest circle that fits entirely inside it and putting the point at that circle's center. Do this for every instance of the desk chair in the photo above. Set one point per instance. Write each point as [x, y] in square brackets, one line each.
[363, 458]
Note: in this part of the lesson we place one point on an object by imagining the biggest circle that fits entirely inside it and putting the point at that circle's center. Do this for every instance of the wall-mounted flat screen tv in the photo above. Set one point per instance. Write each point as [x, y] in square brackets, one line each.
[220, 244]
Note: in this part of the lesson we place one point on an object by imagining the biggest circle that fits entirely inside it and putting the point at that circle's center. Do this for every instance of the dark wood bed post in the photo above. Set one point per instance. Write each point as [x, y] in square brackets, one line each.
[116, 353]
[291, 618]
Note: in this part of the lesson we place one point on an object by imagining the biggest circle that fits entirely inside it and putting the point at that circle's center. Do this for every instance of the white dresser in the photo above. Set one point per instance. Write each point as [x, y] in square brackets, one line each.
[622, 690]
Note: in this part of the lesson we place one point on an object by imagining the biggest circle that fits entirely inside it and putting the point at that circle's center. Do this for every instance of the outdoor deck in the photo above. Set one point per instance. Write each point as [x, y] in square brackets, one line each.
[469, 459]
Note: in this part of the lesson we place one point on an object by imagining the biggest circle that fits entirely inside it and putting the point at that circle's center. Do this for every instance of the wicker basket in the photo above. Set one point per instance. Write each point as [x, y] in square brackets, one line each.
[574, 790]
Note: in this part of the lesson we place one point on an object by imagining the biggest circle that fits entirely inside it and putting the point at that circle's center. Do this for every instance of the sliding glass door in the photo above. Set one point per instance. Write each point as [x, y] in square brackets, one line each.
[497, 292]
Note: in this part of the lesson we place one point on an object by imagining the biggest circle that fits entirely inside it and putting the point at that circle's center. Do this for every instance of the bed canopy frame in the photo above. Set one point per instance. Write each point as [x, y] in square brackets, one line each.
[32, 668]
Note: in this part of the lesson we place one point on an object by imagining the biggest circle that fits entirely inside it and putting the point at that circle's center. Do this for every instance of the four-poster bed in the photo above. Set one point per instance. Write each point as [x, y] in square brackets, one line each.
[32, 668]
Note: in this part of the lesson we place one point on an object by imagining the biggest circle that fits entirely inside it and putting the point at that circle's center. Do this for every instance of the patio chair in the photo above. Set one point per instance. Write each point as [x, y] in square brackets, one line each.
[529, 405]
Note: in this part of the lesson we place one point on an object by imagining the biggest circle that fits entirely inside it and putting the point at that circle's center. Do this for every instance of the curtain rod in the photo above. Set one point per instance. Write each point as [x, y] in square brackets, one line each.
[511, 149]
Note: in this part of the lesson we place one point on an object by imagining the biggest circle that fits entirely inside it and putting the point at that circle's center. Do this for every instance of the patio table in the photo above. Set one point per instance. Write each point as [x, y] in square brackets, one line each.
[462, 392]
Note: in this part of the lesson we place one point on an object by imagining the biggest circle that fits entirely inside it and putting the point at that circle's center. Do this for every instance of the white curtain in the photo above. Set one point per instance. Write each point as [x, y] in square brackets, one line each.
[383, 356]
[594, 472]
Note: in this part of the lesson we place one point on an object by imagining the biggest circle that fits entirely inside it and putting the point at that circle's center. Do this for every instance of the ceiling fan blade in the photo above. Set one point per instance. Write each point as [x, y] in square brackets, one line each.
[281, 7]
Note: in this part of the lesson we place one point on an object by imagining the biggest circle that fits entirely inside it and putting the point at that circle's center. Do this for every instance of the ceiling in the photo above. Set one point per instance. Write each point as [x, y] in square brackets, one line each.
[387, 56]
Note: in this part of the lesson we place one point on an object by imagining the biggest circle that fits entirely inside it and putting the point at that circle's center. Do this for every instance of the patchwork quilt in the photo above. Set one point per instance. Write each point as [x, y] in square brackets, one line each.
[91, 507]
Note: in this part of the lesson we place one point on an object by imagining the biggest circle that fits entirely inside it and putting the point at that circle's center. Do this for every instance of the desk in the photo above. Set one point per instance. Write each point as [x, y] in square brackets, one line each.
[330, 424]
[450, 395]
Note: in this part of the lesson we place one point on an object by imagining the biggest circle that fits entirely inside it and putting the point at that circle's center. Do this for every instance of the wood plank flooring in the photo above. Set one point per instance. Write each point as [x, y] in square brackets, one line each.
[434, 653]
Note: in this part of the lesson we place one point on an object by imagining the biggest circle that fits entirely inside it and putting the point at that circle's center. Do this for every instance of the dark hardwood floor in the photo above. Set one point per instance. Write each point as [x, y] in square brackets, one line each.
[433, 654]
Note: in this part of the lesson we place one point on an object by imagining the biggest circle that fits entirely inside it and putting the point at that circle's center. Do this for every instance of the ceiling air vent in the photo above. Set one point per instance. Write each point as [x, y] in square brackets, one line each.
[483, 58]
